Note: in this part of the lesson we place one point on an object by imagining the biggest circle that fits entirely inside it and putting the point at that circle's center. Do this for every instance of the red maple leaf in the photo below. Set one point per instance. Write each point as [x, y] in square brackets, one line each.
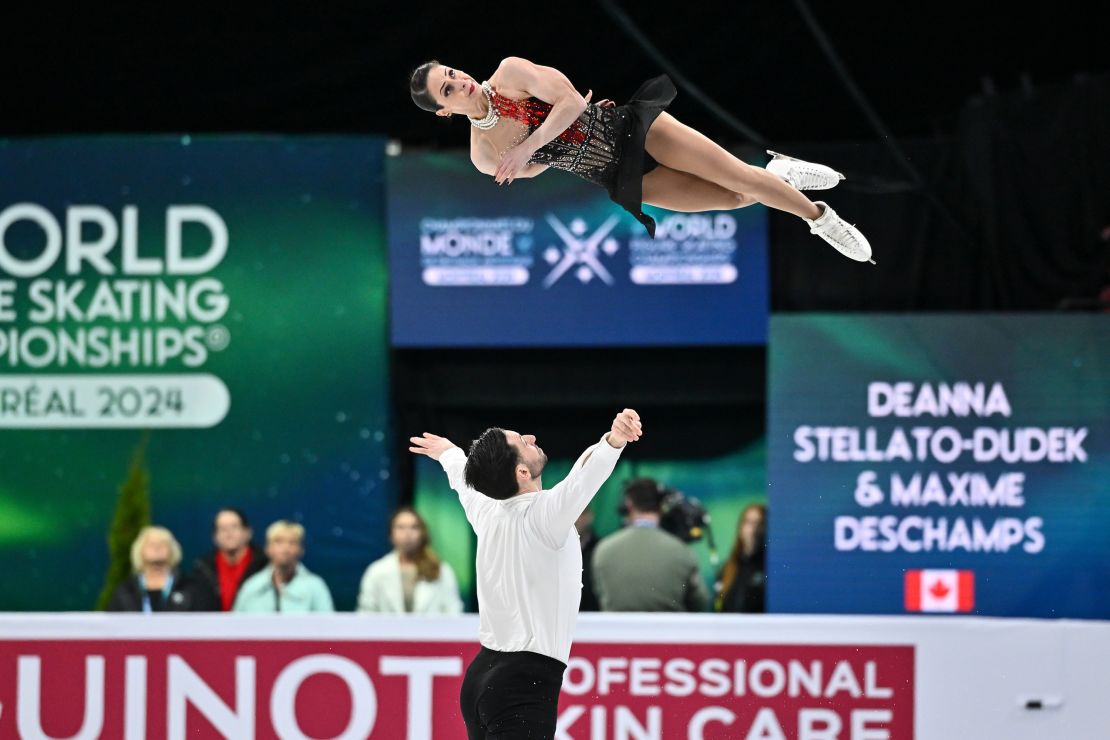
[939, 590]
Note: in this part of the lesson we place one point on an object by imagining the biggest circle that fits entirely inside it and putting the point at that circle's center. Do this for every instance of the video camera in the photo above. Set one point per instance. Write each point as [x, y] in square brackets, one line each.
[683, 516]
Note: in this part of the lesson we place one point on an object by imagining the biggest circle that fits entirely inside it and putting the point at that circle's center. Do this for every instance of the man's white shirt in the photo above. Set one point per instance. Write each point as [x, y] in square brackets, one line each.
[529, 563]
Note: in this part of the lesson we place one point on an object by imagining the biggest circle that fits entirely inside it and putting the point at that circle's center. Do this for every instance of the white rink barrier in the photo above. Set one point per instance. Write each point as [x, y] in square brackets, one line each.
[631, 677]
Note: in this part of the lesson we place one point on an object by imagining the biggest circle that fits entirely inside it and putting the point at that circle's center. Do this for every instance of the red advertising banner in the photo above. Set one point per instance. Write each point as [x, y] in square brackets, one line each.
[389, 690]
[719, 692]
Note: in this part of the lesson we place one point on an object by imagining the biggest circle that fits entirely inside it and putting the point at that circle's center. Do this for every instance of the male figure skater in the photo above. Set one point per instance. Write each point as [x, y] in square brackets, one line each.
[529, 568]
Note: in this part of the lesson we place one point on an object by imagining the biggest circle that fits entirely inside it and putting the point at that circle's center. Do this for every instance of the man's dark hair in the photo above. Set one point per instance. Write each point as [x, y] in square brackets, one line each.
[237, 512]
[644, 494]
[491, 465]
[418, 87]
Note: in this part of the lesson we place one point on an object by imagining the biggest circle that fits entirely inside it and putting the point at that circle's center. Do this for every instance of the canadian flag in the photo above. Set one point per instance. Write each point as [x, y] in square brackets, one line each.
[940, 590]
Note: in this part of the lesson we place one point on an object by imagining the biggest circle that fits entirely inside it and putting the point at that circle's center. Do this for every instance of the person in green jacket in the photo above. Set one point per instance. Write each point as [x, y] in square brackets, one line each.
[284, 585]
[643, 568]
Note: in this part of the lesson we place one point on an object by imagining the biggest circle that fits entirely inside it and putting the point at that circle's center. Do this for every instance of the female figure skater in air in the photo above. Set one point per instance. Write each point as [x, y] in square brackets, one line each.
[526, 118]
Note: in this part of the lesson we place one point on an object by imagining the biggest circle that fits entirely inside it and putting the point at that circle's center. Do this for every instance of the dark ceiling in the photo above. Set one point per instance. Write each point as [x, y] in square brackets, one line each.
[343, 67]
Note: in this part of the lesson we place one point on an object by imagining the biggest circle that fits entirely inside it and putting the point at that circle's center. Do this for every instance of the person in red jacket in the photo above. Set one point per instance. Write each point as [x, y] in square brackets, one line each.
[234, 559]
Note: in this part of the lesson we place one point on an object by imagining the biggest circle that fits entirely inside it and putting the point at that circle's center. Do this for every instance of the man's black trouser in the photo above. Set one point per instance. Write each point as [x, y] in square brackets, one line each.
[511, 696]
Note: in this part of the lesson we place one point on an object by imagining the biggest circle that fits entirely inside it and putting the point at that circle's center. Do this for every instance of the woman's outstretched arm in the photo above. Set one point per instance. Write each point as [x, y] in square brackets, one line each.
[551, 86]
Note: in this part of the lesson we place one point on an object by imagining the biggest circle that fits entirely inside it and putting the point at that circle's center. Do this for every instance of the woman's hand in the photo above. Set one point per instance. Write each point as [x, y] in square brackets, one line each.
[515, 160]
[603, 103]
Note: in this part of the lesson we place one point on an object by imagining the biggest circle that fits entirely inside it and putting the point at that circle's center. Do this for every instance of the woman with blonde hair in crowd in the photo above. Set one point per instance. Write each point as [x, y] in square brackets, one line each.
[742, 582]
[155, 584]
[411, 579]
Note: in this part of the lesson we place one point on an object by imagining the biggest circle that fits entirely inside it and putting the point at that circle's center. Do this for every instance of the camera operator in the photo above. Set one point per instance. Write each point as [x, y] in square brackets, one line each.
[643, 568]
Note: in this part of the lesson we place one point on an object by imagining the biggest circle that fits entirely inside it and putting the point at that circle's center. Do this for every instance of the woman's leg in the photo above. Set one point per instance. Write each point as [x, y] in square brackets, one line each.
[680, 147]
[676, 190]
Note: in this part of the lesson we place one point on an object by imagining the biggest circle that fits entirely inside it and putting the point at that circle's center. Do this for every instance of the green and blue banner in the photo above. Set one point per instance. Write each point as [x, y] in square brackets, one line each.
[940, 463]
[226, 295]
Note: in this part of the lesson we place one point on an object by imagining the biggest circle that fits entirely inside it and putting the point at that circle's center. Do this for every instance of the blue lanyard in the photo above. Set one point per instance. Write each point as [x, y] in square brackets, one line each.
[166, 589]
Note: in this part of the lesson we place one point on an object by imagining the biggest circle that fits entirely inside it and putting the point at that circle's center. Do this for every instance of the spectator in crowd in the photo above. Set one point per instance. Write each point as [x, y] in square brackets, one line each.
[156, 585]
[587, 540]
[644, 568]
[233, 560]
[742, 582]
[411, 579]
[284, 585]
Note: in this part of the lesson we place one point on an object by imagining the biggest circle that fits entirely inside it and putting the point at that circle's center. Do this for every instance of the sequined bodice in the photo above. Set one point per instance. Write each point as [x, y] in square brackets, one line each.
[589, 147]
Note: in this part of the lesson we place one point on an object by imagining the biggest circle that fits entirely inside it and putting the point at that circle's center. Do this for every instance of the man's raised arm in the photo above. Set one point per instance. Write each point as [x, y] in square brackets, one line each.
[555, 511]
[453, 461]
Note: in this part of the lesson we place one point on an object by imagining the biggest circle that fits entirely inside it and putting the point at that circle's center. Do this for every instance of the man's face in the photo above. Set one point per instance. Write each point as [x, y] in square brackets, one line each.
[530, 454]
[284, 550]
[230, 534]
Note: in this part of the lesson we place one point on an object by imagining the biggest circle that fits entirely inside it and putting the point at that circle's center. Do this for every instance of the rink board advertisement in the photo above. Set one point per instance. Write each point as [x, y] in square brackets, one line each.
[551, 261]
[940, 464]
[226, 295]
[389, 689]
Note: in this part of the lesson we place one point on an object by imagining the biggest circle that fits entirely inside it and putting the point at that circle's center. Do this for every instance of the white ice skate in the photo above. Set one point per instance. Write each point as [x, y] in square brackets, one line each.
[803, 175]
[845, 237]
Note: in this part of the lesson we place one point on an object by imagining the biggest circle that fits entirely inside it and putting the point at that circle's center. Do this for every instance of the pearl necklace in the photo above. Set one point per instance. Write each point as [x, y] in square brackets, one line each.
[491, 117]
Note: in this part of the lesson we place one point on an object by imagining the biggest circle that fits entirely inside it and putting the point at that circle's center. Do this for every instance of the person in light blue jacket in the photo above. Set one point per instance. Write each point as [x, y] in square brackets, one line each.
[285, 585]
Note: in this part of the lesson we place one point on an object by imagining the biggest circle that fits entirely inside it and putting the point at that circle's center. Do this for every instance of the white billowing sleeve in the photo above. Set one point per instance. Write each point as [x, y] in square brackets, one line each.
[555, 510]
[473, 502]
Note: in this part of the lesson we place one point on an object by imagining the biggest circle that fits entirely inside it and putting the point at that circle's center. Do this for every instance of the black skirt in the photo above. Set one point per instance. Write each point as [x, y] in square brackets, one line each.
[633, 121]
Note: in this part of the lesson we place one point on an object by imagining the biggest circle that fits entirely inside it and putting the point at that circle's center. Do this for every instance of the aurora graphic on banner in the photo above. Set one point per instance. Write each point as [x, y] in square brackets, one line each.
[228, 294]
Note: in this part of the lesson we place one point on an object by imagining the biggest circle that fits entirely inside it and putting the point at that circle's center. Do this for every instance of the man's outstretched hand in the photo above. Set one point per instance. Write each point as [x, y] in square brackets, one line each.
[626, 428]
[430, 445]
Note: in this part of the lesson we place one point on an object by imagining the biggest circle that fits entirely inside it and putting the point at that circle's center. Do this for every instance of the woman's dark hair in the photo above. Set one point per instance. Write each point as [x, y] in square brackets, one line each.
[491, 465]
[418, 87]
[427, 561]
[731, 570]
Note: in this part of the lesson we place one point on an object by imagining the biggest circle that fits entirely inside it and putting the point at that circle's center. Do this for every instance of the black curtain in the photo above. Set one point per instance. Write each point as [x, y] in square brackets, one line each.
[1011, 216]
[1037, 163]
[696, 402]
